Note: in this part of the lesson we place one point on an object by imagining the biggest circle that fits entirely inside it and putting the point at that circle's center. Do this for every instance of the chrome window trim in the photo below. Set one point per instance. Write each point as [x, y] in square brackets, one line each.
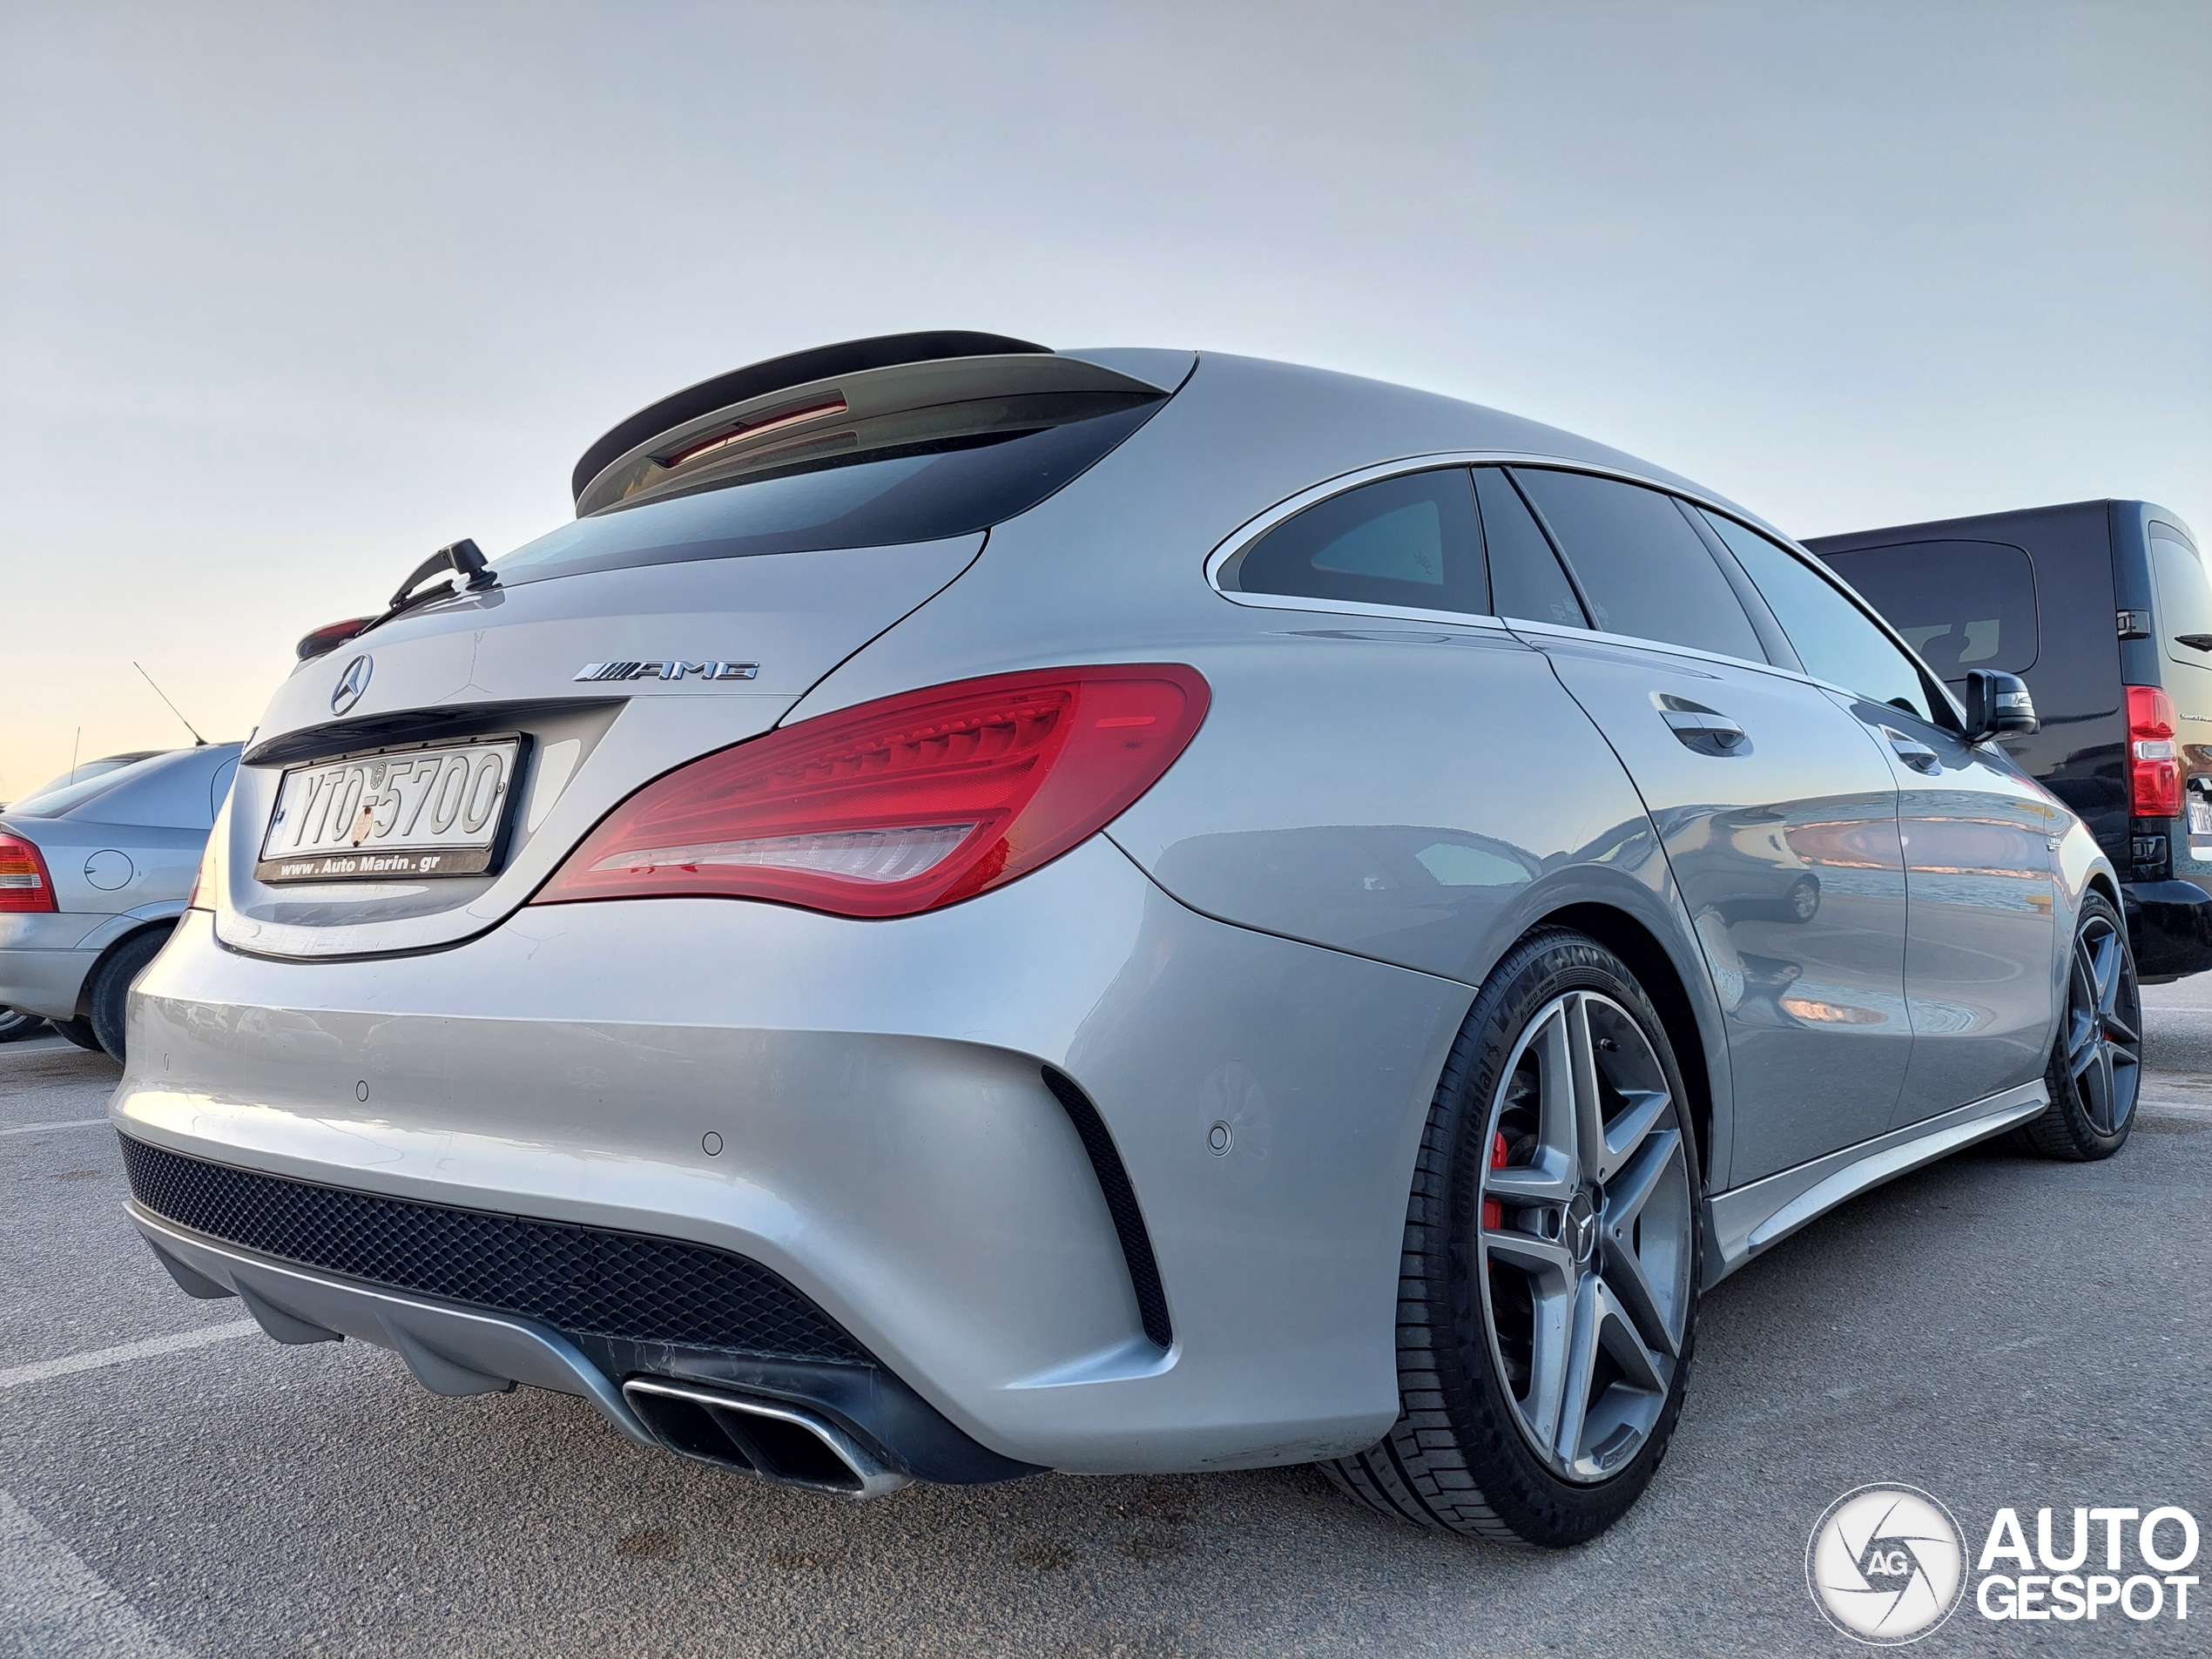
[1260, 523]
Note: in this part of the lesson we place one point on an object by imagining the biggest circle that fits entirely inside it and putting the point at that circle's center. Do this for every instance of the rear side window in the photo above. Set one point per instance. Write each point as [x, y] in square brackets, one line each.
[1833, 638]
[916, 477]
[1526, 582]
[1409, 542]
[2184, 597]
[1961, 605]
[1644, 570]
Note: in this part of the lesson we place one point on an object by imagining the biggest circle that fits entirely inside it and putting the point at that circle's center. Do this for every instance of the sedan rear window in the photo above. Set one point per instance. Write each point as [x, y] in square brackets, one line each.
[919, 475]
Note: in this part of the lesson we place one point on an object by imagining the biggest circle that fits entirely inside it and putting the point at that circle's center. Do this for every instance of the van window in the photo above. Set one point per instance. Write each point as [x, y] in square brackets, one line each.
[1833, 638]
[1961, 605]
[1409, 542]
[2184, 597]
[1526, 581]
[1643, 570]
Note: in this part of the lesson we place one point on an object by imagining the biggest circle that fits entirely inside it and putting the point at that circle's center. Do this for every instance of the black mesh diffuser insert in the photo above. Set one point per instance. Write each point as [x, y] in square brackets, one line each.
[586, 1281]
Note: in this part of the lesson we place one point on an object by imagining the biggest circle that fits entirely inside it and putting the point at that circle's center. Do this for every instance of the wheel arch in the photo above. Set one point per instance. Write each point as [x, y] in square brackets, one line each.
[163, 925]
[1628, 937]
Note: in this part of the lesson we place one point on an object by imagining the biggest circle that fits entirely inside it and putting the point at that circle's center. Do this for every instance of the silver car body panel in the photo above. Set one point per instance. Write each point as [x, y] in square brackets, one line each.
[1280, 940]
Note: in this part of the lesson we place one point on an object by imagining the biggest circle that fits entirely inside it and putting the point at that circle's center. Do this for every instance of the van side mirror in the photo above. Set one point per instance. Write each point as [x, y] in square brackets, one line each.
[1998, 706]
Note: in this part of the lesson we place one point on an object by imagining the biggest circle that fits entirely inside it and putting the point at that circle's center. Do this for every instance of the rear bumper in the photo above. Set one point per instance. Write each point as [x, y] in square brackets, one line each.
[2169, 924]
[887, 1143]
[457, 1350]
[44, 981]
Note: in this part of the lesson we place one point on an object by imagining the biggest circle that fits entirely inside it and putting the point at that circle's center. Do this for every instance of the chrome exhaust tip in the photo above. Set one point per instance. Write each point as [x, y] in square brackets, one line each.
[773, 1439]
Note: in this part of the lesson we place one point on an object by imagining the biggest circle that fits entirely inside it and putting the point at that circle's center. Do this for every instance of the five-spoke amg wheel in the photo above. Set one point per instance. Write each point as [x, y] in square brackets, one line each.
[2097, 1061]
[1548, 1301]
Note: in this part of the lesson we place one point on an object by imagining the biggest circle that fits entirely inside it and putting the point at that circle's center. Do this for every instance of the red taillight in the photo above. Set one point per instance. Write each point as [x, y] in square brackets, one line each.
[903, 804]
[24, 884]
[2153, 767]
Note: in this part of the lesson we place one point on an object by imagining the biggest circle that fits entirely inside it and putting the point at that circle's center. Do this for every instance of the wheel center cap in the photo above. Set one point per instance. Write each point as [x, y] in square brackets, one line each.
[1578, 1229]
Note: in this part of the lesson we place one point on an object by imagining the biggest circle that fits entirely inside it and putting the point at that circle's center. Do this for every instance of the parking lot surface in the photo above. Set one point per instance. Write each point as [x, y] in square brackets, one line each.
[1995, 1328]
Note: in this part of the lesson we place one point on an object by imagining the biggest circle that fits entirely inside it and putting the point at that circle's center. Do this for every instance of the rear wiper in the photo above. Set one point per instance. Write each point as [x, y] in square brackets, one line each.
[464, 558]
[2195, 642]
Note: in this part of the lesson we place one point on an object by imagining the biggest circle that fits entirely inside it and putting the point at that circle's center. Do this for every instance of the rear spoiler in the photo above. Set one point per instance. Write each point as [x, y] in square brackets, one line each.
[781, 373]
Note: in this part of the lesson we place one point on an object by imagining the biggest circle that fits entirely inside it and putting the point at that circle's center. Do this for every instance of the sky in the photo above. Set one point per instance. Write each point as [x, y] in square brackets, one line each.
[291, 295]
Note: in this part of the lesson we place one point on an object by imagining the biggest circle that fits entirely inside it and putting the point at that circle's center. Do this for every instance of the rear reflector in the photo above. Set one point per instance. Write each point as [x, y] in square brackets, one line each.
[2153, 765]
[903, 804]
[24, 884]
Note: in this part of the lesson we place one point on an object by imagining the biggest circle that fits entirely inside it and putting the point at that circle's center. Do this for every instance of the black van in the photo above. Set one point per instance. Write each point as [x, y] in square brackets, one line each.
[2103, 607]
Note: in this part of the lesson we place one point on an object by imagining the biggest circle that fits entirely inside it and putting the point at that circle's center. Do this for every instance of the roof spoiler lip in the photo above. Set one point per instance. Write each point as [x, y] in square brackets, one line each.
[794, 368]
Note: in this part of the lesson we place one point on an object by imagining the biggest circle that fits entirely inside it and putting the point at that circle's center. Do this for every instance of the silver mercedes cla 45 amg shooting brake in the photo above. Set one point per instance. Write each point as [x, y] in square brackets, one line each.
[984, 909]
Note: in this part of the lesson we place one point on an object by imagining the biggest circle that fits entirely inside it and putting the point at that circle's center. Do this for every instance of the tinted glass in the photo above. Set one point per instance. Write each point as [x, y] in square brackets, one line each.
[914, 492]
[1408, 542]
[1833, 638]
[2184, 598]
[1961, 605]
[1526, 581]
[1643, 568]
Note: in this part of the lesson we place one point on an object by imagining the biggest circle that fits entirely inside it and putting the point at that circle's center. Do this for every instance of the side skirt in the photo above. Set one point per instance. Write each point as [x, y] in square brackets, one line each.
[1752, 1218]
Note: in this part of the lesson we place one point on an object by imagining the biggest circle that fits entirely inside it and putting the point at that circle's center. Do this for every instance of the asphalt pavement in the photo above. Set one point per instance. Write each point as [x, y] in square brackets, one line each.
[1995, 1328]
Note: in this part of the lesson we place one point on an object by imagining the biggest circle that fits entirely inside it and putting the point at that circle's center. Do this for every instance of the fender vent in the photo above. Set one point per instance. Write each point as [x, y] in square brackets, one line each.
[1121, 1203]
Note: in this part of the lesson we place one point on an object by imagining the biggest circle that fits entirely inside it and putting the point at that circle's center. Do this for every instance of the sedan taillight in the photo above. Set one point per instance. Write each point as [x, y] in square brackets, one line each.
[903, 804]
[2153, 766]
[24, 884]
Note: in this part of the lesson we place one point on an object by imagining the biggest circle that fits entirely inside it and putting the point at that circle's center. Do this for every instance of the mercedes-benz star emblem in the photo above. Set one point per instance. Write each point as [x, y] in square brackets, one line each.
[351, 684]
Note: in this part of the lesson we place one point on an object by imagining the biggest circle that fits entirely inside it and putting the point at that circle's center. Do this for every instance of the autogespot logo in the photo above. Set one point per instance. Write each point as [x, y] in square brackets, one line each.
[1886, 1564]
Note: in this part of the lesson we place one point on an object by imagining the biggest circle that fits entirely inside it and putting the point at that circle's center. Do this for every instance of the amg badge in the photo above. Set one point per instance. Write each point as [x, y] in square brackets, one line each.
[668, 671]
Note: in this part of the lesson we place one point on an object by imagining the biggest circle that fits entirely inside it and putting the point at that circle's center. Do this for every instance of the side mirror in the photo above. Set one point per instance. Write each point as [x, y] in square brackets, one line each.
[1998, 706]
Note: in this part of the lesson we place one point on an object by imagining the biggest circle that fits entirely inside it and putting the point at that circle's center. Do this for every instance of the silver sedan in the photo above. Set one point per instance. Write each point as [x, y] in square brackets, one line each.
[94, 872]
[983, 909]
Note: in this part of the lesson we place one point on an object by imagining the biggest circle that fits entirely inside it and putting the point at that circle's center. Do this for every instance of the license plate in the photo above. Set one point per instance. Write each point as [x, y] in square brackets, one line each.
[2200, 813]
[437, 811]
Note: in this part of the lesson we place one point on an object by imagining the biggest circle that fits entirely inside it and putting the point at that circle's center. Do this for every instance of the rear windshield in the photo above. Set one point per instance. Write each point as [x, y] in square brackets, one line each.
[1961, 605]
[52, 799]
[917, 476]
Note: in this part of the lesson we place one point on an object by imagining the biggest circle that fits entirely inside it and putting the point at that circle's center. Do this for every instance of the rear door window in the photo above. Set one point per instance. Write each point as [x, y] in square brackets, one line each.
[1642, 569]
[1526, 581]
[2184, 598]
[1833, 638]
[1409, 542]
[1961, 605]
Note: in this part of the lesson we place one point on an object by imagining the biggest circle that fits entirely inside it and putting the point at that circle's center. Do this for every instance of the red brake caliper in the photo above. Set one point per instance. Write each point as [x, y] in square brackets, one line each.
[1493, 1213]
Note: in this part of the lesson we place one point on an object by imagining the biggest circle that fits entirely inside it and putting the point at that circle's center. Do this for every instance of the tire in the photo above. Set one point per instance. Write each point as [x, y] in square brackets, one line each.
[14, 1025]
[2095, 1071]
[79, 1031]
[112, 985]
[1479, 1447]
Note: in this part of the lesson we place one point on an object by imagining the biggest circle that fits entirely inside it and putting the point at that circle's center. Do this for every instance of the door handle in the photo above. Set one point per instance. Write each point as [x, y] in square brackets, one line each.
[1914, 753]
[1706, 731]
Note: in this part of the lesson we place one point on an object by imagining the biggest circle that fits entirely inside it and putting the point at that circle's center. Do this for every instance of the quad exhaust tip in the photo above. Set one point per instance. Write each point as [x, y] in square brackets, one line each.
[779, 1442]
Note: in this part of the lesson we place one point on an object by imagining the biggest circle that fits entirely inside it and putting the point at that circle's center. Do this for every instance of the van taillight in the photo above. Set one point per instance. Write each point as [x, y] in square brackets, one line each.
[903, 804]
[2154, 766]
[24, 884]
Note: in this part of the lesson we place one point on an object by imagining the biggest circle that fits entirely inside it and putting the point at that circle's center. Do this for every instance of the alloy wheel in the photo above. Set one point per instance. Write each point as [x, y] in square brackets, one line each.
[2104, 1043]
[1583, 1237]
